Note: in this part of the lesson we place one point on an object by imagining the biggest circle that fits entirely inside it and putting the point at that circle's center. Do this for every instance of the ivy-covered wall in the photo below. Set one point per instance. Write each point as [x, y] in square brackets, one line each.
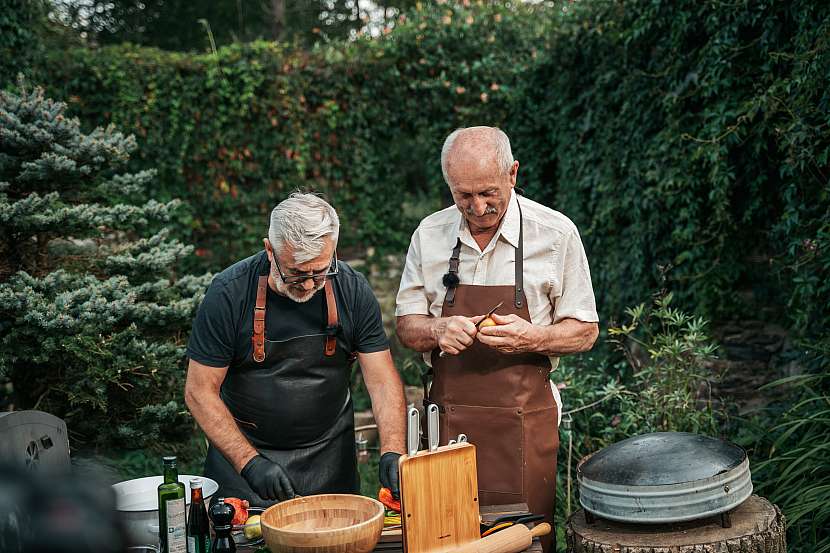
[688, 141]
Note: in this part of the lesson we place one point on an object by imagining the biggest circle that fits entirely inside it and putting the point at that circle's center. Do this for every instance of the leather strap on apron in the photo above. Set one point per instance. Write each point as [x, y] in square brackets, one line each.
[519, 296]
[259, 320]
[258, 338]
[452, 274]
[331, 320]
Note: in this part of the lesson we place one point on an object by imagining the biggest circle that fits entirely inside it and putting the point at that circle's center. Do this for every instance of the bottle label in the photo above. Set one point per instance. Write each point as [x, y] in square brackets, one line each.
[198, 544]
[176, 526]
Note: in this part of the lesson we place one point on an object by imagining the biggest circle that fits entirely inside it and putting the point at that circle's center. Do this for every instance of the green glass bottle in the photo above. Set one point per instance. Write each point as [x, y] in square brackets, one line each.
[172, 518]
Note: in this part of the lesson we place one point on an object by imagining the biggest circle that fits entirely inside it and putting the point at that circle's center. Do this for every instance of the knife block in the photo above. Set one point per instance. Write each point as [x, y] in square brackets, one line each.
[439, 499]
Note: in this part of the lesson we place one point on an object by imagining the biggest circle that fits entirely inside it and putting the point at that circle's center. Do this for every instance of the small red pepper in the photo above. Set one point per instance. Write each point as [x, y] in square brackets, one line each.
[385, 497]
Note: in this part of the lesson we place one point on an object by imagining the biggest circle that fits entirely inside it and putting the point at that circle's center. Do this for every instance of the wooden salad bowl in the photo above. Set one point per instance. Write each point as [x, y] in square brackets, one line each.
[329, 523]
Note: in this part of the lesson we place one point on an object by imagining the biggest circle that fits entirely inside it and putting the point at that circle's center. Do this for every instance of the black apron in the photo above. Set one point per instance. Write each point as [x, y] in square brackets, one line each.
[291, 399]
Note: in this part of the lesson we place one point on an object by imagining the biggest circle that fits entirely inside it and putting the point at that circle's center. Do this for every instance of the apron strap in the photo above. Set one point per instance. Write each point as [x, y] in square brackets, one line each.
[451, 279]
[519, 253]
[331, 320]
[259, 320]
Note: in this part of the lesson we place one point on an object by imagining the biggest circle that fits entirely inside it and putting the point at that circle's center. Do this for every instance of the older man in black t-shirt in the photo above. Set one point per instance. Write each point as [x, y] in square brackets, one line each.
[270, 355]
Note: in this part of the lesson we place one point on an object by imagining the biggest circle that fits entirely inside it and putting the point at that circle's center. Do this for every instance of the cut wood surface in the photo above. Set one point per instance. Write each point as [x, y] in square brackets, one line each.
[757, 527]
[439, 499]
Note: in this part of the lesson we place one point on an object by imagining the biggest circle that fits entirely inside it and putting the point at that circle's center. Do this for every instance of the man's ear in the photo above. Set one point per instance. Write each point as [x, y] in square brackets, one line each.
[514, 172]
[268, 249]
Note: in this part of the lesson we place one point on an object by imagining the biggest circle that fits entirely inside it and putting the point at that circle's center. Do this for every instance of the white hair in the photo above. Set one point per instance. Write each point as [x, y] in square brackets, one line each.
[304, 222]
[493, 136]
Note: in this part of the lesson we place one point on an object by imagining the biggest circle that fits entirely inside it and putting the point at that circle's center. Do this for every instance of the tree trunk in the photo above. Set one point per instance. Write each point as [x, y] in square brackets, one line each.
[278, 19]
[757, 526]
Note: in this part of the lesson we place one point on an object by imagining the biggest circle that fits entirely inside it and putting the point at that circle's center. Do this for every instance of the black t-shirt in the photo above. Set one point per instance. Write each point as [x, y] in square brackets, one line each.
[223, 327]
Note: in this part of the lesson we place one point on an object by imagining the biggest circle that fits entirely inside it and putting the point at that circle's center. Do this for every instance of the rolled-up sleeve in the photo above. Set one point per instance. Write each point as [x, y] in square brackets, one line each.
[572, 295]
[412, 298]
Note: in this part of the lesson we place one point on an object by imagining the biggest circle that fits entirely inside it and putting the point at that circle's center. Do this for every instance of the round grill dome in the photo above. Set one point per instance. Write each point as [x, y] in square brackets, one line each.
[664, 477]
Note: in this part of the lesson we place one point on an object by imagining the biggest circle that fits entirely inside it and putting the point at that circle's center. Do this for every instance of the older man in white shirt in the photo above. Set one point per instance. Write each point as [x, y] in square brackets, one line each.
[492, 383]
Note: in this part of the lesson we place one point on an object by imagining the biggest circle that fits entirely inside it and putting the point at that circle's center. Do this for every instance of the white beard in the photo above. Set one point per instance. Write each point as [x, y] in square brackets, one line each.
[290, 292]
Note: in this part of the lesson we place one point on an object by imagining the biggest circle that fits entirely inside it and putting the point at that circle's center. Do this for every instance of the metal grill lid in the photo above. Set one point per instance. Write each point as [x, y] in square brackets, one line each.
[662, 458]
[664, 477]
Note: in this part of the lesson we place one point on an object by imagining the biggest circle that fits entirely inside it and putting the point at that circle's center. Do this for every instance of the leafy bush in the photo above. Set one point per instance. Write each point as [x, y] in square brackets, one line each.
[671, 356]
[789, 445]
[92, 312]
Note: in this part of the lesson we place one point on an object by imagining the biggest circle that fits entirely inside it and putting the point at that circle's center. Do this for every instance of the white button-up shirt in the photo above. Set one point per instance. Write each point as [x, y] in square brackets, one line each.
[557, 280]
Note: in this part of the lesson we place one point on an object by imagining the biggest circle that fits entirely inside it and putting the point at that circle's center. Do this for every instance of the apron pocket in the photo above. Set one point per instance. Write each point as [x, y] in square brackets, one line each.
[498, 436]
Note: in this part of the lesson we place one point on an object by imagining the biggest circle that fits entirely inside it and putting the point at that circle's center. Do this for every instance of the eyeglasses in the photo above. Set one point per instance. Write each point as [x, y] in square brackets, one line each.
[315, 276]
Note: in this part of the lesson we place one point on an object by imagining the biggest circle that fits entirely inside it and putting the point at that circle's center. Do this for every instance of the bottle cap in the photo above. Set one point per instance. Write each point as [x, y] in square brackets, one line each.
[169, 459]
[195, 483]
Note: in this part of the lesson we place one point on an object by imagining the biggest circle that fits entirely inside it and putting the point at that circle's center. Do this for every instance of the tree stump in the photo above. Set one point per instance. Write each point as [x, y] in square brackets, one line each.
[757, 527]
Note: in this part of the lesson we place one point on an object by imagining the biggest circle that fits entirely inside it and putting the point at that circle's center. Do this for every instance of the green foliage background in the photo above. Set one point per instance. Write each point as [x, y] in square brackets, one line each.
[689, 143]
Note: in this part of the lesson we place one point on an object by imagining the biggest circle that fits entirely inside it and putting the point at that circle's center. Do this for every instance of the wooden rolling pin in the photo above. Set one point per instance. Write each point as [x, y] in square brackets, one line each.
[510, 540]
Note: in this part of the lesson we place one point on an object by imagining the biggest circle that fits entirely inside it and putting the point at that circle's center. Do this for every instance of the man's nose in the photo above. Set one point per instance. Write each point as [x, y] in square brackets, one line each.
[479, 206]
[308, 283]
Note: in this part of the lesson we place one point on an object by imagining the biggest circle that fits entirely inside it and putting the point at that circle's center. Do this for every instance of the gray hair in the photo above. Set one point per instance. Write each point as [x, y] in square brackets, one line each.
[492, 136]
[303, 221]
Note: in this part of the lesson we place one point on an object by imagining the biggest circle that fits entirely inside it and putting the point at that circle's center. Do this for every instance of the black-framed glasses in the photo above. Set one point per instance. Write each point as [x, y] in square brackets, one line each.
[315, 276]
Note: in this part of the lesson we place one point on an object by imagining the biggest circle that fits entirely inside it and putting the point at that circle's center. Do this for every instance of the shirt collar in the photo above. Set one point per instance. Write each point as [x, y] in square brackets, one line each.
[508, 229]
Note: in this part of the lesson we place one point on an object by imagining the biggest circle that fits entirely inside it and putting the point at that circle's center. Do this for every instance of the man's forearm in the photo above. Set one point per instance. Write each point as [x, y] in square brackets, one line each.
[419, 332]
[217, 423]
[390, 415]
[566, 336]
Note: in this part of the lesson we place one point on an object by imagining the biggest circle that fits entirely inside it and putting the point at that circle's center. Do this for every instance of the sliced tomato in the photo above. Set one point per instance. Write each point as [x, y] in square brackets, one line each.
[385, 497]
[240, 506]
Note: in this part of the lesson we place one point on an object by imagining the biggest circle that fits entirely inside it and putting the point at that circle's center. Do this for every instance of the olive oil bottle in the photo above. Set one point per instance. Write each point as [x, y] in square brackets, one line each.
[172, 518]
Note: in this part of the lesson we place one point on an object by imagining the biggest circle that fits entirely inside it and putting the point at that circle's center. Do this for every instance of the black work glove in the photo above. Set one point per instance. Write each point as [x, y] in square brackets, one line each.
[268, 479]
[388, 473]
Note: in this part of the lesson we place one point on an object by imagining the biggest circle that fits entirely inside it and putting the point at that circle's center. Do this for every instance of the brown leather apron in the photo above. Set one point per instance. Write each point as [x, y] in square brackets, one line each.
[502, 402]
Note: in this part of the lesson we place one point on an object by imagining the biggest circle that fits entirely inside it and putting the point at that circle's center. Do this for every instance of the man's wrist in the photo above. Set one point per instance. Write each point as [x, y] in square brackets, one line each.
[538, 338]
[437, 328]
[244, 460]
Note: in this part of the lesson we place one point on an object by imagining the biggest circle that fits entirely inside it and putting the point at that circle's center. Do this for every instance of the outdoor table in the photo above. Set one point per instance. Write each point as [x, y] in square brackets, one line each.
[389, 544]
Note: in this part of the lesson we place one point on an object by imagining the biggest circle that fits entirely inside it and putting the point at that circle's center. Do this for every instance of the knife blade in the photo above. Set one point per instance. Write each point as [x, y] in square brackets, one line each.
[432, 426]
[478, 324]
[413, 431]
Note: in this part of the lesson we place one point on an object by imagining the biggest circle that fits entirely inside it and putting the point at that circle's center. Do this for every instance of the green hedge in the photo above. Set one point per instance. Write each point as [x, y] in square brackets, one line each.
[688, 141]
[237, 132]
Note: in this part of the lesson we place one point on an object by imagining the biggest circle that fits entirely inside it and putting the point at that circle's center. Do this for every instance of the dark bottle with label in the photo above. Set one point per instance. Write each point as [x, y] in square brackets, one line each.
[198, 527]
[172, 518]
[221, 514]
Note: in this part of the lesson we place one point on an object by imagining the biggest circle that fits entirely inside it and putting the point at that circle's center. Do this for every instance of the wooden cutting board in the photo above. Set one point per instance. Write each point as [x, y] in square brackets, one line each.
[439, 499]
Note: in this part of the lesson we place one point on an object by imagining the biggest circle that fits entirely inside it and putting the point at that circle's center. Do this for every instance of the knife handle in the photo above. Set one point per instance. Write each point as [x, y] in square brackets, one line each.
[413, 431]
[432, 426]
